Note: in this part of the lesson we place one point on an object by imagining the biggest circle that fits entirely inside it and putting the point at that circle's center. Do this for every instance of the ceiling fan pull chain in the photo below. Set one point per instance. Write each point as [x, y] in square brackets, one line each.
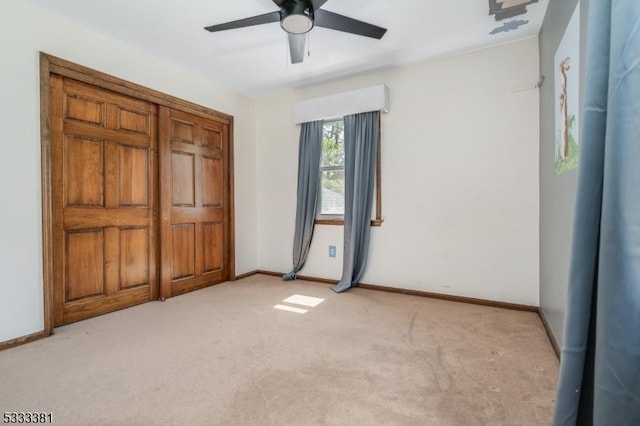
[286, 51]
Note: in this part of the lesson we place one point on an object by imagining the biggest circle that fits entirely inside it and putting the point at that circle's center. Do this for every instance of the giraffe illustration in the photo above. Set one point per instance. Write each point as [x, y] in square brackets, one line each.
[565, 65]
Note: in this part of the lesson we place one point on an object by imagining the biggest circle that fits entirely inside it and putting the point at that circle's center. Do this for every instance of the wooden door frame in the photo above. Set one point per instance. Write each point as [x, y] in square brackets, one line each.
[53, 65]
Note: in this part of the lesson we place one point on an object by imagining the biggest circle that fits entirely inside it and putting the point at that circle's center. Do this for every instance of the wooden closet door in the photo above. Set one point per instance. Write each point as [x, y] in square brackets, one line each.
[195, 216]
[103, 170]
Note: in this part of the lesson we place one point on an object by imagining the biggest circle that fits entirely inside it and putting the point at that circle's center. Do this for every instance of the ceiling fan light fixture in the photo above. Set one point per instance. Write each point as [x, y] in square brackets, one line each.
[297, 18]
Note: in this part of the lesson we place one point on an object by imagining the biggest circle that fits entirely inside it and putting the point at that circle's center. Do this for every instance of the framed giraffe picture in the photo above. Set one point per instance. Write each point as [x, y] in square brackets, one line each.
[567, 97]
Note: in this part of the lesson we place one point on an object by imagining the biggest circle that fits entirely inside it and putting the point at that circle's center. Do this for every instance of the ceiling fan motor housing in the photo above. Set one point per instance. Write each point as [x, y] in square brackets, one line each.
[296, 17]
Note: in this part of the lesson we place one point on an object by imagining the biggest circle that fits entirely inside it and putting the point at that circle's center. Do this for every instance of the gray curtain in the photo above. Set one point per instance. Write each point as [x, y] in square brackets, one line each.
[308, 182]
[361, 146]
[600, 370]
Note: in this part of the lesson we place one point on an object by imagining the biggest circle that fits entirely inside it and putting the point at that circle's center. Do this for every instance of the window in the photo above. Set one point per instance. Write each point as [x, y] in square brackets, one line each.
[331, 197]
[332, 170]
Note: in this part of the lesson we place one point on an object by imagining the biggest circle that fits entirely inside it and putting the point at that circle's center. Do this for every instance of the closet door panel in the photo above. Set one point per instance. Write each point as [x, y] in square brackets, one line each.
[104, 202]
[195, 214]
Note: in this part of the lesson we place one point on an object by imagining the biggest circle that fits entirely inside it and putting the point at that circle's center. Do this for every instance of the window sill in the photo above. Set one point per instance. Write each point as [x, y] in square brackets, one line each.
[340, 222]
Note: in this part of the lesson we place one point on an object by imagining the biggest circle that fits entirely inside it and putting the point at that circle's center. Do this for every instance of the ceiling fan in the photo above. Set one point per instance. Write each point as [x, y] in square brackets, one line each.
[298, 17]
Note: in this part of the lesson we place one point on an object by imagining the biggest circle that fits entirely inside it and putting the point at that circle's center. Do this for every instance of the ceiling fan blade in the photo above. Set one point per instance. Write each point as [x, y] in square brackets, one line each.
[317, 4]
[296, 47]
[247, 22]
[279, 3]
[326, 19]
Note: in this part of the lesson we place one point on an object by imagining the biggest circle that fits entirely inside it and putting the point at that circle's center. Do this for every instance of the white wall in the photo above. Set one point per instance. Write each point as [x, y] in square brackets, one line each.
[24, 31]
[557, 192]
[459, 178]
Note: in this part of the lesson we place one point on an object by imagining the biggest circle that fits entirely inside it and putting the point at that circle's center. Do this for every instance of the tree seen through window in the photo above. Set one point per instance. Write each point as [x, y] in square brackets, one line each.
[332, 169]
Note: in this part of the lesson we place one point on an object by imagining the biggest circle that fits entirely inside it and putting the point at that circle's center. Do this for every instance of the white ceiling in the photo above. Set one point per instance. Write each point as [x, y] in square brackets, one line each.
[254, 60]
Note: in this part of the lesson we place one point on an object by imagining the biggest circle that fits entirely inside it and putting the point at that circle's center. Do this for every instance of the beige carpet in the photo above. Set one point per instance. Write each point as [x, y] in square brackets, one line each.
[224, 355]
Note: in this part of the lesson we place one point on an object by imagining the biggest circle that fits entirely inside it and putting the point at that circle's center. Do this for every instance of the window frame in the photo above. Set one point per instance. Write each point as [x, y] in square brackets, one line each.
[338, 220]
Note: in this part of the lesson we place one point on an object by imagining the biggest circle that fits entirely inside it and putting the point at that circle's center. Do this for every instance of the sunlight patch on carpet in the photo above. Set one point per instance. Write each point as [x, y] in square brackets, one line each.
[309, 301]
[290, 309]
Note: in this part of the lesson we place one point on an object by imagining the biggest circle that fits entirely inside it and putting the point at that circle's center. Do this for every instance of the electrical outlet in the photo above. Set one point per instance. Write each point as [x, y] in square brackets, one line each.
[332, 251]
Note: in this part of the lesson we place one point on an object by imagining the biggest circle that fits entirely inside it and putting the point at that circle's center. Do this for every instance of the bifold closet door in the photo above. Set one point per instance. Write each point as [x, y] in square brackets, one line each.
[194, 161]
[104, 199]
